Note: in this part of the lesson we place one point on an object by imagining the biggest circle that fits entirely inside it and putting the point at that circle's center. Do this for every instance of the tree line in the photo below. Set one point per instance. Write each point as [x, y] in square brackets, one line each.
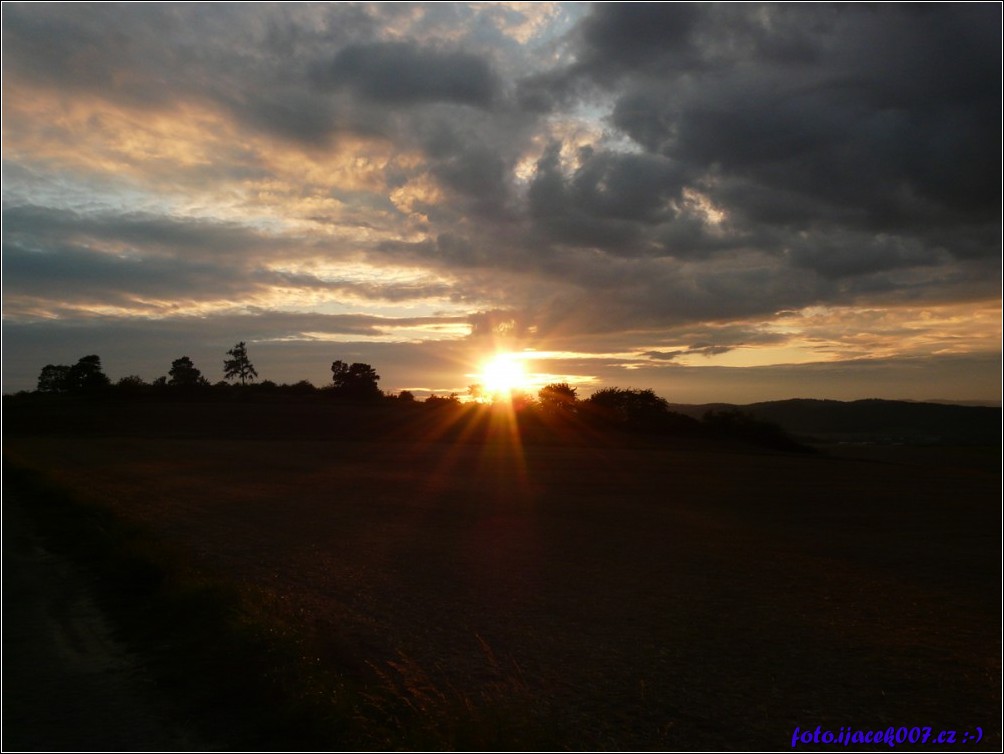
[358, 383]
[87, 375]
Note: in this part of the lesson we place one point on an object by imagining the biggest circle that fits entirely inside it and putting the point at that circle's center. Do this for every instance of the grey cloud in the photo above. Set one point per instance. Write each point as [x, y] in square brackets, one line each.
[65, 276]
[665, 355]
[701, 350]
[710, 350]
[855, 255]
[122, 259]
[255, 63]
[145, 233]
[650, 294]
[609, 202]
[86, 50]
[448, 251]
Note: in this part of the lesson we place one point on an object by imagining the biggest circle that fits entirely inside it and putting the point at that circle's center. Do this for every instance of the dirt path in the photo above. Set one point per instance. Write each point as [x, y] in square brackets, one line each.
[68, 683]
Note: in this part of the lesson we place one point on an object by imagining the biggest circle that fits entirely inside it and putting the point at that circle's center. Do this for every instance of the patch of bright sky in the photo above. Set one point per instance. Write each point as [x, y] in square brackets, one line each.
[105, 193]
[523, 22]
[532, 382]
[702, 205]
[586, 125]
[355, 272]
[26, 183]
[345, 302]
[144, 309]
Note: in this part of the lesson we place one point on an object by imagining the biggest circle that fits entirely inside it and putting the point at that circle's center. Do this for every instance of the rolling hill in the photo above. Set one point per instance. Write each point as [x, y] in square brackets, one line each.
[872, 421]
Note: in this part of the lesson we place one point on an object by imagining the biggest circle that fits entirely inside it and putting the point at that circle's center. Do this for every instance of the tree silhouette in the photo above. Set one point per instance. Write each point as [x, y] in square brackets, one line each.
[640, 409]
[184, 374]
[239, 365]
[355, 382]
[55, 378]
[86, 375]
[83, 377]
[558, 396]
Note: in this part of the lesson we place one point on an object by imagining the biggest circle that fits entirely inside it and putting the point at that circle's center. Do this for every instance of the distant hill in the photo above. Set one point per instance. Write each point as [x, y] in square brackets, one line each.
[872, 421]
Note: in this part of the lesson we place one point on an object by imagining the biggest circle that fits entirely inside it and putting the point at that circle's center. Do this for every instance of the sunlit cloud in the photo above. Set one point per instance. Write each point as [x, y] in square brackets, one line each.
[390, 333]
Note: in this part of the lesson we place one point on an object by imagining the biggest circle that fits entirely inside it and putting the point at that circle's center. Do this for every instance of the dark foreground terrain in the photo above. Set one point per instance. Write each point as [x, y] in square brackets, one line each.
[674, 594]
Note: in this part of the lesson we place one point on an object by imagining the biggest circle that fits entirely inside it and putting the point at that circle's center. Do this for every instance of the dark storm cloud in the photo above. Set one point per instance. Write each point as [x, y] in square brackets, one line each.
[402, 73]
[887, 110]
[628, 36]
[852, 254]
[846, 141]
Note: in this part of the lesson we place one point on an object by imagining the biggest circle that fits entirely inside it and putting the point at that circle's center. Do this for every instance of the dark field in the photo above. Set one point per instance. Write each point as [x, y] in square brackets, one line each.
[674, 595]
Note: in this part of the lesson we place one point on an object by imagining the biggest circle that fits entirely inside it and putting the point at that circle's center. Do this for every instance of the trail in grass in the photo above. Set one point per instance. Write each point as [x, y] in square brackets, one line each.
[68, 683]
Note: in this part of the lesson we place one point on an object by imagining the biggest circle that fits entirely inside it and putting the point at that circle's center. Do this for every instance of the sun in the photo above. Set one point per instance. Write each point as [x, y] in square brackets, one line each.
[503, 373]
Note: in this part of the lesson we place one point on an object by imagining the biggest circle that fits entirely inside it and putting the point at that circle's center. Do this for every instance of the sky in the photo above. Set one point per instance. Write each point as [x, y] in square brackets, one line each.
[735, 202]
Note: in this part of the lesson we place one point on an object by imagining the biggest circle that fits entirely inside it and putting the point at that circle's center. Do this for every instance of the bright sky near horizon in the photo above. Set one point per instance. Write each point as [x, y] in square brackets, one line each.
[722, 202]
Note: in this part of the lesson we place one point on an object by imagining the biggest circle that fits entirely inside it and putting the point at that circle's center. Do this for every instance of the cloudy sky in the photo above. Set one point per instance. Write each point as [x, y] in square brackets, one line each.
[730, 202]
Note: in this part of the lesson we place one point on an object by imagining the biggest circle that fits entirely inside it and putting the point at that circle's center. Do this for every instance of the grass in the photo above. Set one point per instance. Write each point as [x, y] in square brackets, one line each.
[436, 595]
[202, 647]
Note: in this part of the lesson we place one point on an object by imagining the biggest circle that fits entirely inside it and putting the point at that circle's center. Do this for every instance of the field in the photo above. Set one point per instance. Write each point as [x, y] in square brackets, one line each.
[590, 595]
